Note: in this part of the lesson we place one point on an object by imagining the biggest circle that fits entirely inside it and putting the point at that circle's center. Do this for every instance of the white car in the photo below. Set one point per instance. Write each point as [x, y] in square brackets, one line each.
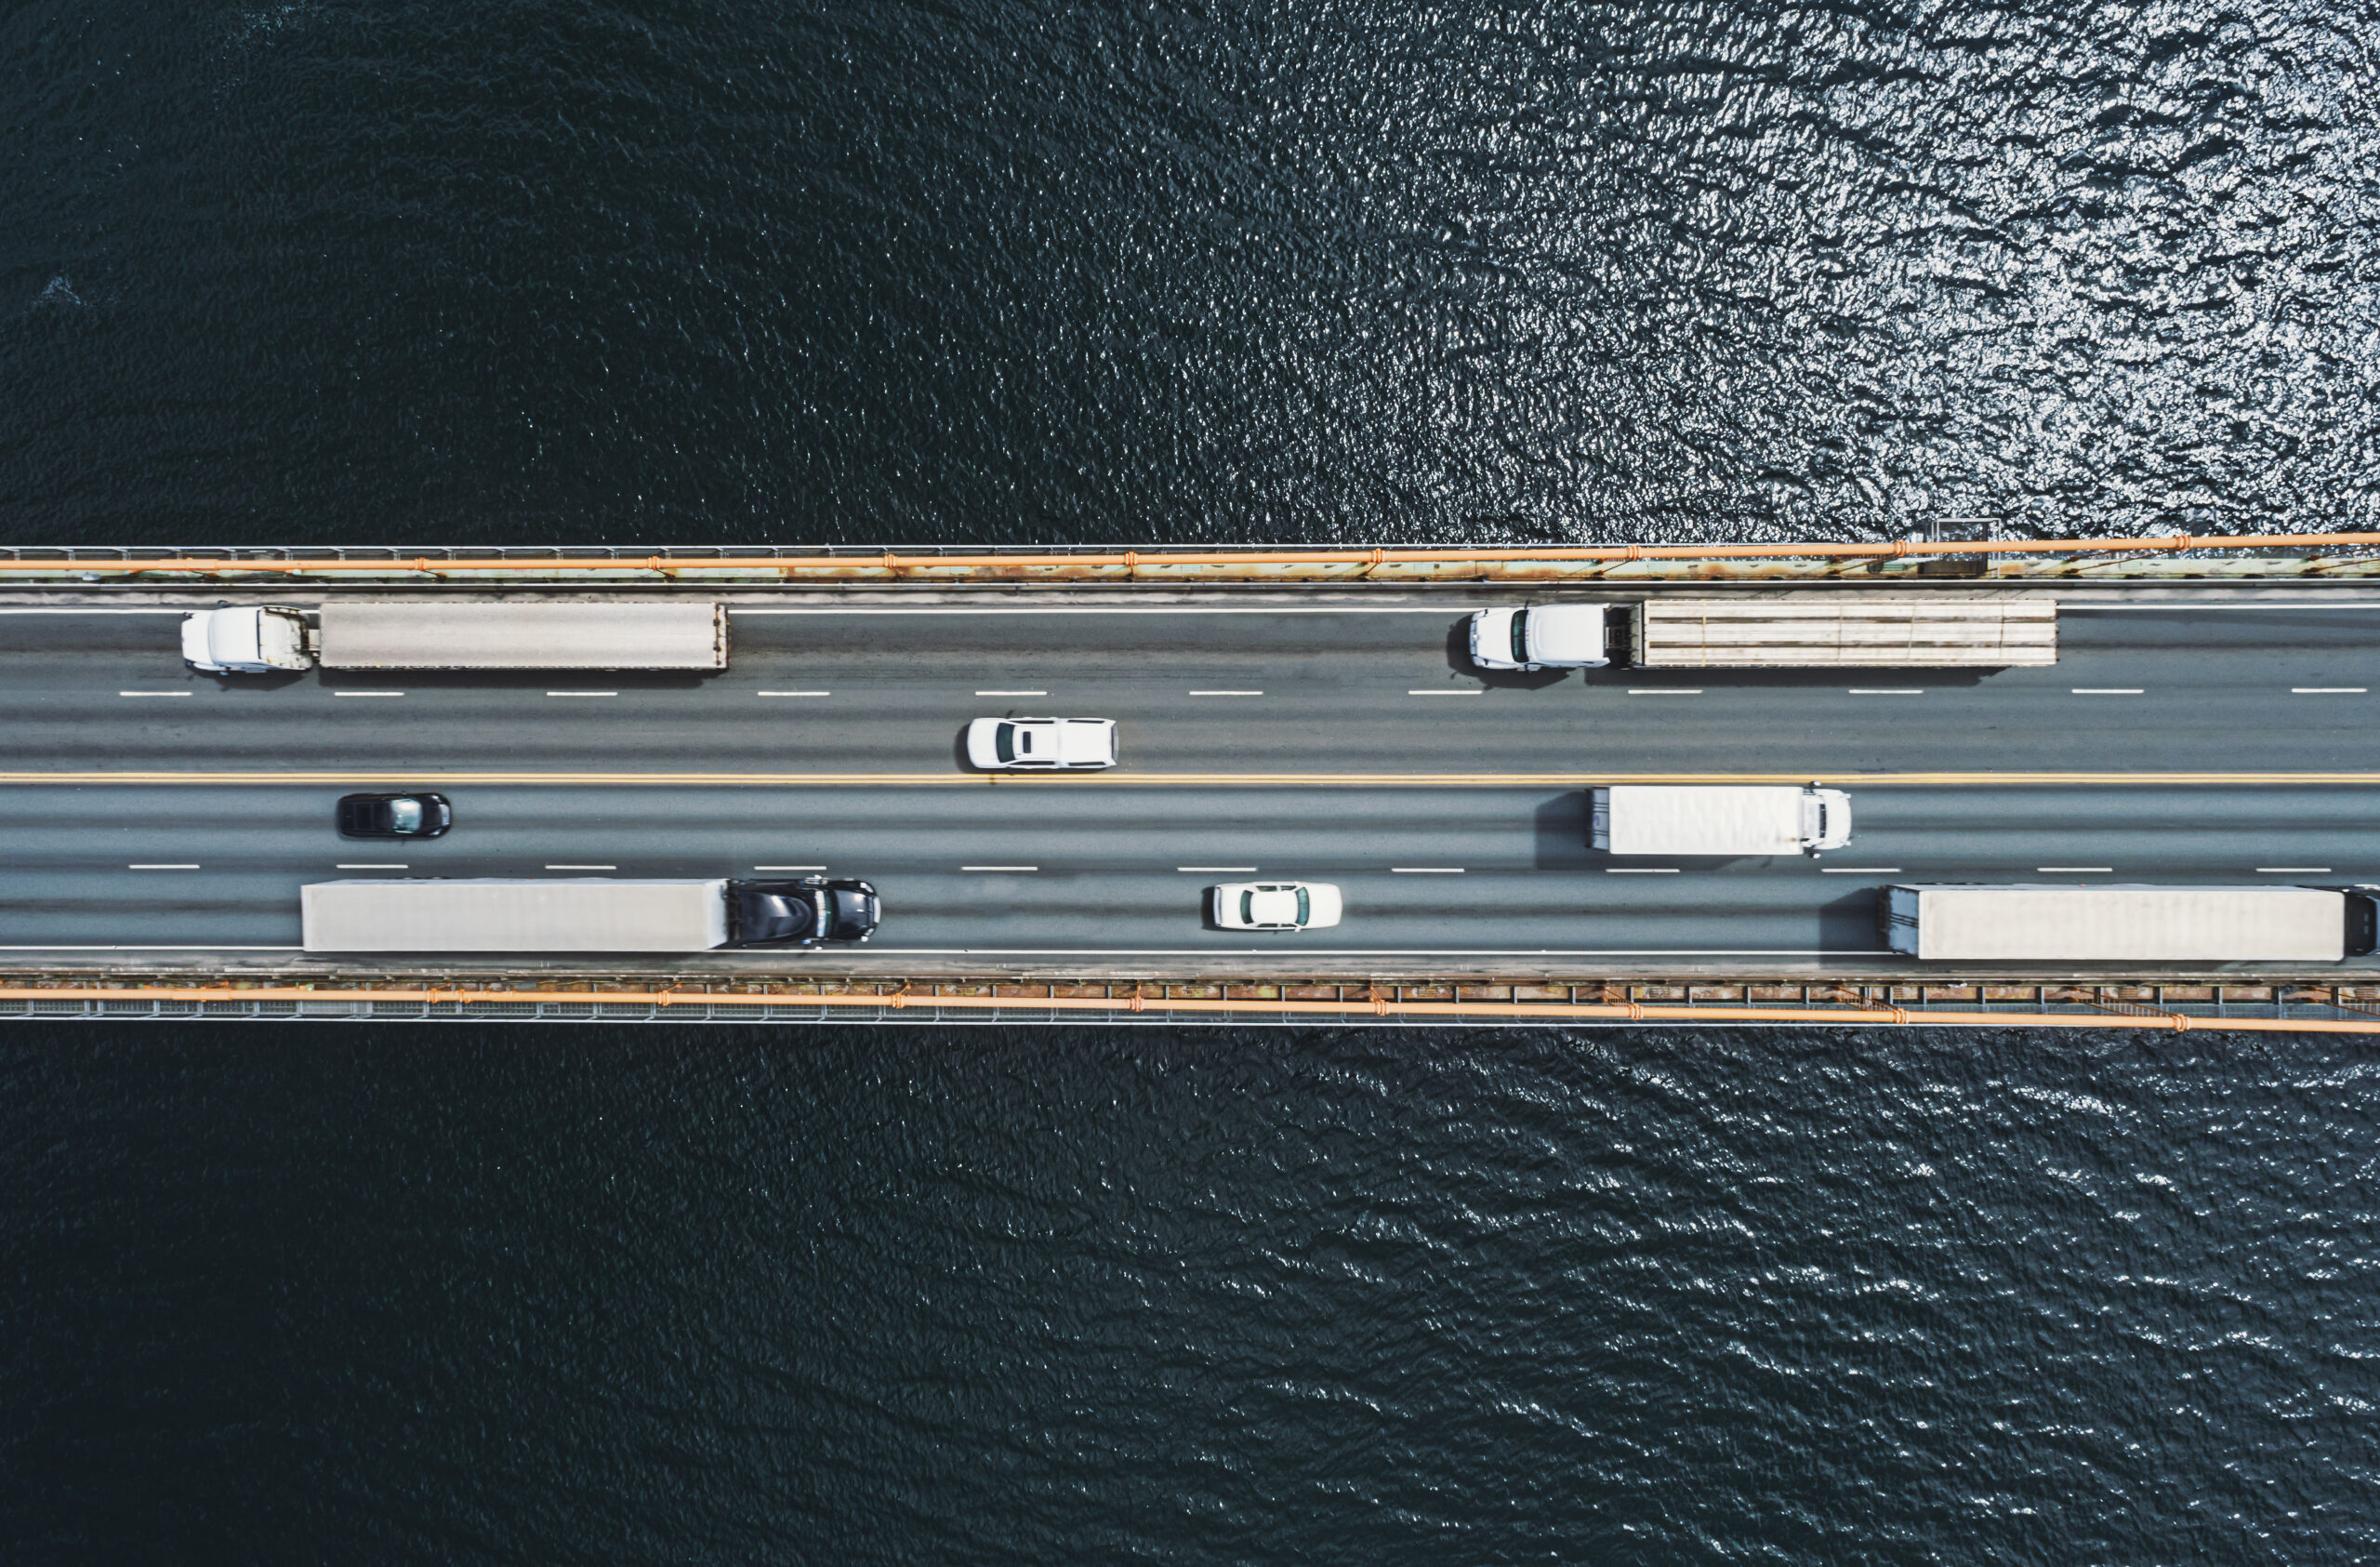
[1012, 744]
[1545, 636]
[1273, 905]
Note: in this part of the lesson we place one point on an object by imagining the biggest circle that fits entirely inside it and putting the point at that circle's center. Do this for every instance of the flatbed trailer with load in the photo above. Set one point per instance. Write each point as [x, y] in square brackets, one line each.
[1844, 630]
[2130, 923]
[407, 634]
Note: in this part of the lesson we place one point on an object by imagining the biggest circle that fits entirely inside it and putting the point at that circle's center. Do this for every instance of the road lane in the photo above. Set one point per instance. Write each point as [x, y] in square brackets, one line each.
[2217, 694]
[1108, 878]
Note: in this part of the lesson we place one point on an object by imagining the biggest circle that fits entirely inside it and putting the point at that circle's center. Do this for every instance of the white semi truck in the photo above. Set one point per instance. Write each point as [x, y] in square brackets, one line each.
[403, 634]
[1844, 630]
[582, 914]
[1727, 820]
[2130, 923]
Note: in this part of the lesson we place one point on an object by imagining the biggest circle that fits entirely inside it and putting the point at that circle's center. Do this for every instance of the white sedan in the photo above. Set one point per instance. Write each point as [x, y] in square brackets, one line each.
[1006, 744]
[1273, 905]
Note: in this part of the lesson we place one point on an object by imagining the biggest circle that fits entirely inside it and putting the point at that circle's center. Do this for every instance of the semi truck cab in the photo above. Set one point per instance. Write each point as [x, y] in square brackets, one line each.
[247, 639]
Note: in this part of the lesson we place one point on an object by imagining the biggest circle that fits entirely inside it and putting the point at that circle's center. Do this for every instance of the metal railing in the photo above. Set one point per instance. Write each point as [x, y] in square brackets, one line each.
[2278, 1007]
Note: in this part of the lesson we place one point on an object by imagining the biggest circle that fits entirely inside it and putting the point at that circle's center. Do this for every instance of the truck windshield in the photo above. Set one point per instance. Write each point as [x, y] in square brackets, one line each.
[1520, 637]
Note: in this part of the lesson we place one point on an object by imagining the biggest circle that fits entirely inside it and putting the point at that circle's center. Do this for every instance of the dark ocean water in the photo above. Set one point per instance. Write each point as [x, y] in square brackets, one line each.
[386, 271]
[1014, 1296]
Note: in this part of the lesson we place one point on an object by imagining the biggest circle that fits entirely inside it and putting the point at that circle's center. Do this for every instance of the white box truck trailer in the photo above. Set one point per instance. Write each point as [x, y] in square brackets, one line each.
[1844, 630]
[2130, 923]
[582, 914]
[1727, 819]
[397, 634]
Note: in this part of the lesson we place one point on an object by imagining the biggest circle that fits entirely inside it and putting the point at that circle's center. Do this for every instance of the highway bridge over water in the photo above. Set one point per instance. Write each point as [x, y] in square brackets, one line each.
[2204, 734]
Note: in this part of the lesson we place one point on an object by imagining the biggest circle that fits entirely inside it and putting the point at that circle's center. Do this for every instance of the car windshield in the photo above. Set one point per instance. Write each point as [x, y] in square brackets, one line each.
[405, 816]
[1247, 909]
[1004, 742]
[1305, 907]
[1520, 637]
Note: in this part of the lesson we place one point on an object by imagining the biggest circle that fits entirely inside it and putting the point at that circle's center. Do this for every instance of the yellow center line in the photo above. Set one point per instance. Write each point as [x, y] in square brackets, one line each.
[421, 775]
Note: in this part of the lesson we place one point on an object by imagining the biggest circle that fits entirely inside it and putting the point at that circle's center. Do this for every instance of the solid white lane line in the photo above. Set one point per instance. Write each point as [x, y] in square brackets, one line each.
[161, 868]
[2327, 690]
[582, 693]
[1640, 869]
[1860, 870]
[1476, 691]
[2292, 870]
[1012, 693]
[369, 865]
[367, 693]
[998, 868]
[582, 868]
[2107, 690]
[1226, 693]
[1215, 870]
[2074, 870]
[1888, 691]
[154, 694]
[793, 693]
[1665, 691]
[788, 868]
[1426, 869]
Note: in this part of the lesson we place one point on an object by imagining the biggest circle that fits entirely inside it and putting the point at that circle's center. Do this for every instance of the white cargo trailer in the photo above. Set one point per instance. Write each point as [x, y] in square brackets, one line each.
[2128, 923]
[581, 914]
[1731, 819]
[404, 634]
[1844, 630]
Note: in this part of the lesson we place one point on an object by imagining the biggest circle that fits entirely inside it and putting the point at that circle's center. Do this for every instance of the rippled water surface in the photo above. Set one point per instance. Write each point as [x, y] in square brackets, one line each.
[424, 270]
[904, 1295]
[528, 271]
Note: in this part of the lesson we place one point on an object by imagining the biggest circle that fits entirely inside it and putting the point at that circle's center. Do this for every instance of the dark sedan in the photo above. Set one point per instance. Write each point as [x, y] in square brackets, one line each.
[394, 816]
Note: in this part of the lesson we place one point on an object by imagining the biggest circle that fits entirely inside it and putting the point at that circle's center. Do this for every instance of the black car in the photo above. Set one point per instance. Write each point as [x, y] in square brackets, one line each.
[799, 913]
[394, 816]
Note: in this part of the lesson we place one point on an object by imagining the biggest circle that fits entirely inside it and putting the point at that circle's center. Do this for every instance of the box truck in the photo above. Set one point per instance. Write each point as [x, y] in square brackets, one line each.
[582, 914]
[1731, 819]
[399, 634]
[2130, 923]
[1844, 630]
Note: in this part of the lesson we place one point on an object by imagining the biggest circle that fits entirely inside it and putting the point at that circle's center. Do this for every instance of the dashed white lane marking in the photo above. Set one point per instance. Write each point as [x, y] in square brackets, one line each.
[1665, 691]
[1476, 691]
[1425, 870]
[161, 868]
[2327, 690]
[1226, 693]
[582, 693]
[582, 868]
[2074, 870]
[2106, 690]
[1860, 870]
[367, 693]
[1215, 870]
[998, 868]
[1012, 693]
[788, 868]
[1888, 691]
[153, 692]
[369, 865]
[793, 693]
[1640, 869]
[2292, 870]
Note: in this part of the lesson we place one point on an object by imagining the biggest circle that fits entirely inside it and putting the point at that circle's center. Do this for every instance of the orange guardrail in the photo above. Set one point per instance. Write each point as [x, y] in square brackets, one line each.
[1551, 1012]
[1135, 559]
